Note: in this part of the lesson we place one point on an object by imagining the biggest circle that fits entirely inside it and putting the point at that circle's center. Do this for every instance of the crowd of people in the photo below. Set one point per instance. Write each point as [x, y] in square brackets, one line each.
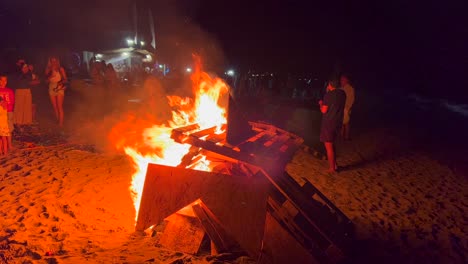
[17, 94]
[103, 74]
[270, 85]
[17, 105]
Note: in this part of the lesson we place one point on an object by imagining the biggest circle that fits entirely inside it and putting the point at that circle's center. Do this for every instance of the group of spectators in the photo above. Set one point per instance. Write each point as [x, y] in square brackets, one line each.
[16, 103]
[103, 75]
[268, 85]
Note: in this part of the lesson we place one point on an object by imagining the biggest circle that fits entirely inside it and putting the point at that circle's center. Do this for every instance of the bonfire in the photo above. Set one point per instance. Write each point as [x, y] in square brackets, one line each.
[151, 142]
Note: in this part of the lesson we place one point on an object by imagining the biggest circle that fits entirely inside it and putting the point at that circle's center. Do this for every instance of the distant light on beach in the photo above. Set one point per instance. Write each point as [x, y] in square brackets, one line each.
[98, 56]
[160, 66]
[230, 72]
[125, 54]
[188, 69]
[130, 42]
[142, 43]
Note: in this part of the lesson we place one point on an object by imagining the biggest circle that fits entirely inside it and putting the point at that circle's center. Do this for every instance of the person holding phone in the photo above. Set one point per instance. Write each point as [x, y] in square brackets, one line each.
[332, 108]
[57, 79]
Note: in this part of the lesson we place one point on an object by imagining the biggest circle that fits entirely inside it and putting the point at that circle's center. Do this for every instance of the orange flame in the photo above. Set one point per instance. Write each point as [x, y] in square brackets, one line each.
[146, 141]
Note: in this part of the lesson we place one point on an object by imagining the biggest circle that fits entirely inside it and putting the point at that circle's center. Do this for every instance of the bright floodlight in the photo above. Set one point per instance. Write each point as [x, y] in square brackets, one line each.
[130, 42]
[142, 43]
[230, 72]
[188, 70]
[125, 54]
[160, 66]
[98, 56]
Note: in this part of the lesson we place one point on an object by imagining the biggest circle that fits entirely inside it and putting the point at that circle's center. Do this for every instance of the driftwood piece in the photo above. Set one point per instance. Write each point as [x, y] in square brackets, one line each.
[238, 202]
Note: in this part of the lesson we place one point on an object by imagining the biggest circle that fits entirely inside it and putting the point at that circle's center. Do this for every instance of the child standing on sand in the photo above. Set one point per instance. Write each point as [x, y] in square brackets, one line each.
[7, 102]
[4, 129]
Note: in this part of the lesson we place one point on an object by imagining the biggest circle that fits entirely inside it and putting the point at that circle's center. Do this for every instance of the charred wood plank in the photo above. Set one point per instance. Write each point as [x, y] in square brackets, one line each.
[307, 236]
[311, 190]
[292, 191]
[215, 138]
[203, 132]
[214, 230]
[280, 247]
[187, 159]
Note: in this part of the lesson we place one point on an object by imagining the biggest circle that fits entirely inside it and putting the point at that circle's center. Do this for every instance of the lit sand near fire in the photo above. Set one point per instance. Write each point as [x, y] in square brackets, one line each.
[75, 204]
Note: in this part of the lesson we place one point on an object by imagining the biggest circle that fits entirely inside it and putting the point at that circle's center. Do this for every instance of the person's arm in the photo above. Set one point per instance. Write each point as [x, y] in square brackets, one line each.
[3, 103]
[351, 99]
[34, 80]
[324, 104]
[323, 108]
[63, 74]
[12, 98]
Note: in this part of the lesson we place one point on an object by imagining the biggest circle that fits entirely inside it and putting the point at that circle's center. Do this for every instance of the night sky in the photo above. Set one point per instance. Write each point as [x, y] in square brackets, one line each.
[413, 45]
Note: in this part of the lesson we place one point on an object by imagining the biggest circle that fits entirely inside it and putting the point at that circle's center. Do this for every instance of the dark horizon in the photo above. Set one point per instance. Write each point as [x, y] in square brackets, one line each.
[417, 46]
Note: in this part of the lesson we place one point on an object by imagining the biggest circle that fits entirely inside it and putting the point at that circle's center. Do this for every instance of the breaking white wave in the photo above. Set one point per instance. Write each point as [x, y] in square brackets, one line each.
[426, 103]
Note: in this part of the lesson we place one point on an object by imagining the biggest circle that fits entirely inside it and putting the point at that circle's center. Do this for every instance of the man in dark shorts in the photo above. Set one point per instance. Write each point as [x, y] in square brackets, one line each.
[332, 108]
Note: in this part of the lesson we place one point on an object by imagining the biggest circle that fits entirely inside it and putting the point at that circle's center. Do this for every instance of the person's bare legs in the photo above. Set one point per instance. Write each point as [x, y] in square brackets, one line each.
[9, 143]
[60, 98]
[53, 100]
[33, 110]
[1, 146]
[329, 146]
[5, 145]
[345, 131]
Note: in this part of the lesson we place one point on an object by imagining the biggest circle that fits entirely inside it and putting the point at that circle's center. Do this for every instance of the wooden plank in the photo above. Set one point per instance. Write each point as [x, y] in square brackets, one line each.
[188, 128]
[257, 136]
[257, 144]
[187, 159]
[269, 127]
[291, 190]
[183, 234]
[280, 140]
[213, 229]
[238, 202]
[280, 247]
[311, 191]
[215, 138]
[307, 235]
[275, 139]
[203, 132]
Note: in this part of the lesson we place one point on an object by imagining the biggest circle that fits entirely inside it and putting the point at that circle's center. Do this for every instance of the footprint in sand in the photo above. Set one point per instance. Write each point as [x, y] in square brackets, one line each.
[15, 167]
[20, 219]
[41, 191]
[21, 209]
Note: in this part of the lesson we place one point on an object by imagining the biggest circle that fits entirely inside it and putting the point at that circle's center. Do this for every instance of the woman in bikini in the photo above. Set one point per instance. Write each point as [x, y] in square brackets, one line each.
[57, 78]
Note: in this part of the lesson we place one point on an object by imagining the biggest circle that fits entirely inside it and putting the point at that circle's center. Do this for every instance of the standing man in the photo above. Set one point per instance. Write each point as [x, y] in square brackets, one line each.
[349, 91]
[332, 108]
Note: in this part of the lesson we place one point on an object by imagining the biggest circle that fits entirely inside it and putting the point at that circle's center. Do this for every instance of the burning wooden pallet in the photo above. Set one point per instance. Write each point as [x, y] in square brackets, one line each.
[249, 196]
[269, 146]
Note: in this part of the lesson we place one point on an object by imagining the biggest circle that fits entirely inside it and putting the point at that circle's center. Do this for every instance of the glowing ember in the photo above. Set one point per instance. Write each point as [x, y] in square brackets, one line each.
[146, 141]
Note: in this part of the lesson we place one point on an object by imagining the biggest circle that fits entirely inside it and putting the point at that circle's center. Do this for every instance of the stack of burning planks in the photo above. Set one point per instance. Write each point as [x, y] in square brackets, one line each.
[269, 145]
[248, 198]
